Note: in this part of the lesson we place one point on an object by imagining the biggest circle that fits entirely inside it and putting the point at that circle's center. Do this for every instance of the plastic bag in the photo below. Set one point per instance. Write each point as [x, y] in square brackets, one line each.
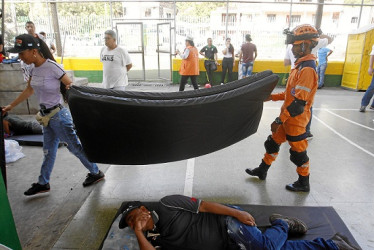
[13, 151]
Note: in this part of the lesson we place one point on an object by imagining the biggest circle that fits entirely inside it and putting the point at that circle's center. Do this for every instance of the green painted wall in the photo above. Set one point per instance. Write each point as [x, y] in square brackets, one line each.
[330, 80]
[8, 232]
[92, 75]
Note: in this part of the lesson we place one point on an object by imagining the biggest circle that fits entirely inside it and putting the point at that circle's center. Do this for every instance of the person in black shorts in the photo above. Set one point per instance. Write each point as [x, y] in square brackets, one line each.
[210, 55]
[184, 223]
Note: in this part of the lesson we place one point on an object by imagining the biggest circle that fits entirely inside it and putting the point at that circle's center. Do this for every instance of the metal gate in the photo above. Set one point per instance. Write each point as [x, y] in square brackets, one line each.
[164, 47]
[130, 36]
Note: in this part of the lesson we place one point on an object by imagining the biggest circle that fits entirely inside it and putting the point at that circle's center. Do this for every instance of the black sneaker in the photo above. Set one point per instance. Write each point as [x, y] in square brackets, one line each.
[295, 226]
[362, 109]
[343, 243]
[37, 188]
[93, 178]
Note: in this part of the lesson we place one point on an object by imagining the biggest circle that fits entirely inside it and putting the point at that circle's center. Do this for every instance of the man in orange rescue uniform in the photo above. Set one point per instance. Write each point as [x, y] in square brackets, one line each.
[295, 112]
[190, 64]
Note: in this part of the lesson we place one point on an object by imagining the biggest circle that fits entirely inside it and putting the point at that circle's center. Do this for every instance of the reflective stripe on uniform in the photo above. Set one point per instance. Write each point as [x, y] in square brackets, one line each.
[303, 88]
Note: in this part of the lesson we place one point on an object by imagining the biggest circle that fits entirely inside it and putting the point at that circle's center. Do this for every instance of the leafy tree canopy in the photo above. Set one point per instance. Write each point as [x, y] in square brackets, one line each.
[201, 9]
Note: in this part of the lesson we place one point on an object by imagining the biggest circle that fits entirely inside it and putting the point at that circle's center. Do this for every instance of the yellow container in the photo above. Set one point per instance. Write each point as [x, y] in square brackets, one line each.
[357, 56]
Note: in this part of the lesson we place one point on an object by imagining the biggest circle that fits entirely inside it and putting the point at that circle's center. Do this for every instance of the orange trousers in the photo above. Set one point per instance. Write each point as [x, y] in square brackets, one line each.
[279, 137]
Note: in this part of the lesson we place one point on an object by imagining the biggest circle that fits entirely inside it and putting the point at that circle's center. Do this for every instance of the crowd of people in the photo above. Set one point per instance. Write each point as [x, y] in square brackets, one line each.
[247, 56]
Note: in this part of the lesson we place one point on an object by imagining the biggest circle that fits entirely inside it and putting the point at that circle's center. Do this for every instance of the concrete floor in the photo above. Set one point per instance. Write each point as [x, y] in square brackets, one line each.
[341, 153]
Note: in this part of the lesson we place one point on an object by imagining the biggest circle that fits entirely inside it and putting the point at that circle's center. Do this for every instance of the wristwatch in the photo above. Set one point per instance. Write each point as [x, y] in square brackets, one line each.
[278, 121]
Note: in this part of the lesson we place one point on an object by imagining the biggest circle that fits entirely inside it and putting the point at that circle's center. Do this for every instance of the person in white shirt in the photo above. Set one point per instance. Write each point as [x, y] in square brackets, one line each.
[228, 61]
[116, 63]
[50, 44]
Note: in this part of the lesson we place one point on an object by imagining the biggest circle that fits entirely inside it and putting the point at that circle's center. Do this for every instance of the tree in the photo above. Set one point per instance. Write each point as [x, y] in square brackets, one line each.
[202, 9]
[86, 9]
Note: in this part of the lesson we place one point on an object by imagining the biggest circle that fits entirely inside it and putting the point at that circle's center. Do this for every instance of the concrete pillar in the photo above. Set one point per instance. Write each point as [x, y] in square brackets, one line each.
[319, 14]
[2, 21]
[56, 28]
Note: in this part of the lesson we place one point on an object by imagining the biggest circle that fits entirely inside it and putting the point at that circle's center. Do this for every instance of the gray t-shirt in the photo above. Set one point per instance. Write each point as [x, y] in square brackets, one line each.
[45, 80]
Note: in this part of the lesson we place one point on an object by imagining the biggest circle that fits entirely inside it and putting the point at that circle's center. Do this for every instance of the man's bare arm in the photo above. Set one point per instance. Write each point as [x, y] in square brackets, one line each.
[370, 70]
[139, 228]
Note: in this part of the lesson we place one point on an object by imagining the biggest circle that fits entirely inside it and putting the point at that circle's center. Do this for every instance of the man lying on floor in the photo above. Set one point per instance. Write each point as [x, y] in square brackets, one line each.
[189, 223]
[15, 125]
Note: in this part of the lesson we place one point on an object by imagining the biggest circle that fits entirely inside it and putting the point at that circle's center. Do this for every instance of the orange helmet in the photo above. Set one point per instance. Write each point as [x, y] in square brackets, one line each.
[302, 33]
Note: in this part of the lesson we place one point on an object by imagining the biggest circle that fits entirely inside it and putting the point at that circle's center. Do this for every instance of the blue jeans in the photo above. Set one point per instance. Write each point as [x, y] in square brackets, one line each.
[368, 94]
[321, 69]
[60, 127]
[248, 237]
[247, 69]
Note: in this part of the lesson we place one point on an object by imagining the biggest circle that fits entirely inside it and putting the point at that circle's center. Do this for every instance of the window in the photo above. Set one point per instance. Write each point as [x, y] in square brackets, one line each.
[303, 1]
[148, 12]
[335, 17]
[295, 19]
[168, 15]
[124, 11]
[247, 18]
[354, 19]
[231, 19]
[271, 18]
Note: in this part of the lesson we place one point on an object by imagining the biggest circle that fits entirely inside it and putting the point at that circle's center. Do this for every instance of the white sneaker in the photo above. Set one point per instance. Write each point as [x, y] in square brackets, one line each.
[221, 83]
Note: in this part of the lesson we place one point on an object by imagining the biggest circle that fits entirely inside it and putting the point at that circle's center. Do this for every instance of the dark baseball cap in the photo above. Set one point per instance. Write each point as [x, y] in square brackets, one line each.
[24, 42]
[126, 210]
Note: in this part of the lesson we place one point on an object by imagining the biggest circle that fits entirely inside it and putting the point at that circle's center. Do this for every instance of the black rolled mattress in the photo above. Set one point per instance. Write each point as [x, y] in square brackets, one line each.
[136, 128]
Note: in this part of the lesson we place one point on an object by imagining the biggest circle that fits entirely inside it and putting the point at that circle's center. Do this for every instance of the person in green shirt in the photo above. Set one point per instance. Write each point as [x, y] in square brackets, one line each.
[210, 54]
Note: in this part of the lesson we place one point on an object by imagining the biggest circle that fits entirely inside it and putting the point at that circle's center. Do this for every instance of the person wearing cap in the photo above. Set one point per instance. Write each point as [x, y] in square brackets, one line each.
[248, 54]
[190, 64]
[189, 223]
[295, 113]
[27, 68]
[228, 61]
[50, 82]
[210, 59]
[116, 63]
